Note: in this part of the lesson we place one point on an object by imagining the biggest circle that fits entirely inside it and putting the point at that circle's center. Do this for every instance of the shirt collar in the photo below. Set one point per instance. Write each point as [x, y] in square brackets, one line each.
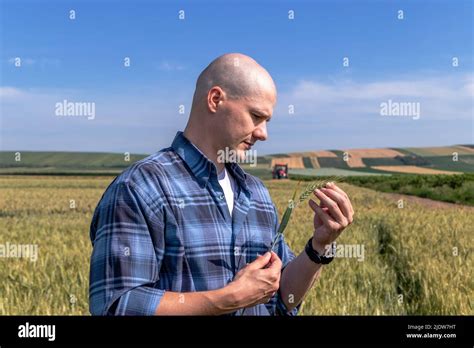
[200, 165]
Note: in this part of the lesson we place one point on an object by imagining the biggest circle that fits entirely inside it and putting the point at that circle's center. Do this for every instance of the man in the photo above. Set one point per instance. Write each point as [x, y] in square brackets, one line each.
[182, 233]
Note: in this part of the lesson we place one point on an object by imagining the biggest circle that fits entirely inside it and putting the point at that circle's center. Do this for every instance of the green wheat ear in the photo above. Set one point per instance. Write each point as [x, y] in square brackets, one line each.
[315, 185]
[292, 204]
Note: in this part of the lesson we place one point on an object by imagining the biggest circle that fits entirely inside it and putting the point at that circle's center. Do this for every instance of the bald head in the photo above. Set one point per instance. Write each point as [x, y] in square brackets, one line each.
[233, 101]
[238, 75]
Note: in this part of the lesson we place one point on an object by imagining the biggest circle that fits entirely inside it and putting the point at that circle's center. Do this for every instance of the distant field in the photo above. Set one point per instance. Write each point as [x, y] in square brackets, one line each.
[321, 153]
[465, 163]
[350, 161]
[293, 162]
[416, 260]
[59, 171]
[262, 173]
[411, 170]
[65, 163]
[329, 172]
[67, 159]
[440, 151]
[357, 156]
[332, 162]
[374, 153]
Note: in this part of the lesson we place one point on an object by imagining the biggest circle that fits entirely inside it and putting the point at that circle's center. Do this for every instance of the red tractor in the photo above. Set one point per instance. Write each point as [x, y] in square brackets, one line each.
[280, 171]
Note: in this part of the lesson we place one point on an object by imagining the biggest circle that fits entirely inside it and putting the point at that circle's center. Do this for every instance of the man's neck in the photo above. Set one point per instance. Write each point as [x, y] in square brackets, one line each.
[206, 148]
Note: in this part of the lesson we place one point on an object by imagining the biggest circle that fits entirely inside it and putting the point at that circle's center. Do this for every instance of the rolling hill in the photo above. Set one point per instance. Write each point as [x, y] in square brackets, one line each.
[347, 162]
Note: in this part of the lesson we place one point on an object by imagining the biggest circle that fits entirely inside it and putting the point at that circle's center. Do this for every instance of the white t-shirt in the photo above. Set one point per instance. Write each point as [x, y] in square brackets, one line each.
[228, 185]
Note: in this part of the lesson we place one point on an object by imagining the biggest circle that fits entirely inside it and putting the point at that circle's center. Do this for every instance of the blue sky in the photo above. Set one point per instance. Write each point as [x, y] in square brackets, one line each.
[336, 107]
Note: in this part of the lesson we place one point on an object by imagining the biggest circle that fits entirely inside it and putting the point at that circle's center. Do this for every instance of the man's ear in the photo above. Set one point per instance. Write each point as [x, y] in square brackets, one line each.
[215, 96]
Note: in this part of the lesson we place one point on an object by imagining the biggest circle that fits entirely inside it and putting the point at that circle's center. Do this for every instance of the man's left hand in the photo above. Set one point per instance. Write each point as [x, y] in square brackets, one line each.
[332, 215]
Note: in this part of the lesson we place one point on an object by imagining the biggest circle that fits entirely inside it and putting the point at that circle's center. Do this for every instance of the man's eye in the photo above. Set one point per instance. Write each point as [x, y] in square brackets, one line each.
[261, 118]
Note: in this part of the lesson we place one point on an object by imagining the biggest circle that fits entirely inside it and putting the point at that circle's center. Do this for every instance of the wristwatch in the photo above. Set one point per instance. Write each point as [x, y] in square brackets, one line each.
[314, 255]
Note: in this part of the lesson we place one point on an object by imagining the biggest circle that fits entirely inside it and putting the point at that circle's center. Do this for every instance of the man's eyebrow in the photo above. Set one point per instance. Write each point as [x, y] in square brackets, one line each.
[261, 113]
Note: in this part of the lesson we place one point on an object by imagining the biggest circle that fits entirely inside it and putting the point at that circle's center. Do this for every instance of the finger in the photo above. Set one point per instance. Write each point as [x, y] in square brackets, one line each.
[276, 263]
[341, 201]
[325, 217]
[260, 262]
[317, 219]
[338, 189]
[324, 208]
[272, 259]
[333, 186]
[274, 256]
[334, 209]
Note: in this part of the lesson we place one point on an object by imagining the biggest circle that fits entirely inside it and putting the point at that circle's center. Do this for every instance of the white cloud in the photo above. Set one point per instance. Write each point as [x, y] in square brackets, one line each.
[170, 66]
[11, 93]
[143, 122]
[330, 115]
[444, 97]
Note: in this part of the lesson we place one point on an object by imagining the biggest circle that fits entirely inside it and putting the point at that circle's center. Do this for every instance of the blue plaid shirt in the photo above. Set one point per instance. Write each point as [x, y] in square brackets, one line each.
[163, 225]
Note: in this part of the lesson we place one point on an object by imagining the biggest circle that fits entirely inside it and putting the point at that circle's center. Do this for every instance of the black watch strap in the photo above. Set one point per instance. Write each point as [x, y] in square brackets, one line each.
[314, 255]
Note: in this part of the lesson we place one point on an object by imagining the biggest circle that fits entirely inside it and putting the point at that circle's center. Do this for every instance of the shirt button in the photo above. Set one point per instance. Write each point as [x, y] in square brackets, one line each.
[221, 197]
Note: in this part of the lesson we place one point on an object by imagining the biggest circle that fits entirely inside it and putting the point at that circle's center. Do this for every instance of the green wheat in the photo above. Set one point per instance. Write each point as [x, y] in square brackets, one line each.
[292, 204]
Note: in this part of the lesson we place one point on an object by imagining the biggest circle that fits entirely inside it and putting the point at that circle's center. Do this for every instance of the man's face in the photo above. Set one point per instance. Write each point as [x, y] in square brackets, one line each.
[244, 121]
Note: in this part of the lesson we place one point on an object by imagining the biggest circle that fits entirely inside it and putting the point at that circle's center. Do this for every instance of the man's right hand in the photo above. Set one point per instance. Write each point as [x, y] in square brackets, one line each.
[254, 284]
[257, 282]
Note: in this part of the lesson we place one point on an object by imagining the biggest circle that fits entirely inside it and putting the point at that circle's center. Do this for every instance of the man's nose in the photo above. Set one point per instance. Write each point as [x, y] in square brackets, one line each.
[260, 132]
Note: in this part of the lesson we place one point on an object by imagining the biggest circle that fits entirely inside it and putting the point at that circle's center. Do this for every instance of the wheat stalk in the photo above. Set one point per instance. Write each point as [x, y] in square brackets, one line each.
[292, 204]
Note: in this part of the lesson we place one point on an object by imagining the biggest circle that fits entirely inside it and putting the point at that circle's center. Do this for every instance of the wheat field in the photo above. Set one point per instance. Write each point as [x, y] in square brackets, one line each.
[412, 170]
[417, 259]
